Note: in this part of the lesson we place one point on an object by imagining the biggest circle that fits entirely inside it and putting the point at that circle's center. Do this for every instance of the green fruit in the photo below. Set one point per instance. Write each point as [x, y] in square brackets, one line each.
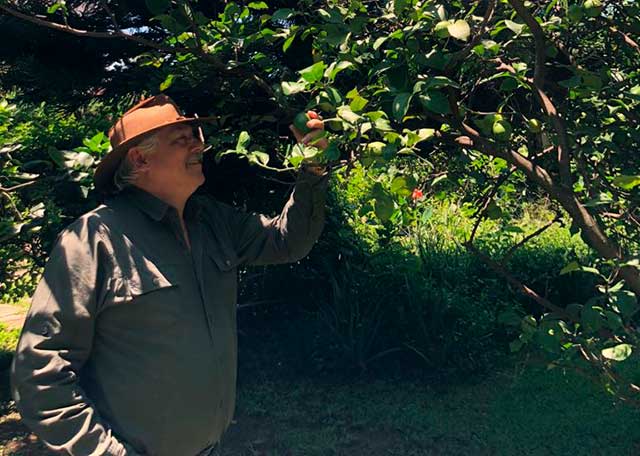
[501, 129]
[575, 13]
[442, 29]
[593, 8]
[300, 122]
[534, 125]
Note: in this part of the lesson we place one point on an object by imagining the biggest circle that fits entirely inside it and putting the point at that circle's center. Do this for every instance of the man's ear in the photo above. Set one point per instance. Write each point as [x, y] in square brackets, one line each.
[138, 159]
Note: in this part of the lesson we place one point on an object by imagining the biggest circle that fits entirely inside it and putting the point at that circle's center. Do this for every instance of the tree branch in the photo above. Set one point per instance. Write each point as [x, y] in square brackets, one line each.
[464, 52]
[117, 34]
[522, 288]
[507, 256]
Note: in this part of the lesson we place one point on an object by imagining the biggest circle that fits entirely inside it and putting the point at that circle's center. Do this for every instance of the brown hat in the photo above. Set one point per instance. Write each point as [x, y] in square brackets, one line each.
[147, 116]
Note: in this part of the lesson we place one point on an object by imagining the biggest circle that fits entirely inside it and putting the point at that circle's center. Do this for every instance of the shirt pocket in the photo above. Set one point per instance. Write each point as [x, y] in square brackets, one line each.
[146, 296]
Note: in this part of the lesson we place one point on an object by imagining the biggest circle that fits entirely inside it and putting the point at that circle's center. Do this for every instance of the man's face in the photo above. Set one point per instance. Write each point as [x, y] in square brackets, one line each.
[176, 164]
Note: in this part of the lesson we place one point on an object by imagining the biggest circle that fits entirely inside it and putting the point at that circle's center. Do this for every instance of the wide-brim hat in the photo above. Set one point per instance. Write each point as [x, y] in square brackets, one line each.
[146, 117]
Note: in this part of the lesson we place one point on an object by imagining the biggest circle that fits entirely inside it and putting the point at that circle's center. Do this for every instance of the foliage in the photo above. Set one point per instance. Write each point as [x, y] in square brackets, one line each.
[45, 181]
[8, 343]
[503, 101]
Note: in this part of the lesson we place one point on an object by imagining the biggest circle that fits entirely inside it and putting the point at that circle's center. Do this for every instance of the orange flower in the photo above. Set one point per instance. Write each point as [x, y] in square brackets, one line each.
[417, 194]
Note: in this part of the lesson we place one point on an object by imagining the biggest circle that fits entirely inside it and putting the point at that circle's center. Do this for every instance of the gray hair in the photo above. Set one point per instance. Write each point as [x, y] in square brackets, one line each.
[127, 174]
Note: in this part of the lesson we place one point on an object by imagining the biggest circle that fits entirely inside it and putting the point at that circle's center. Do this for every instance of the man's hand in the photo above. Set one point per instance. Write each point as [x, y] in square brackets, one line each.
[317, 129]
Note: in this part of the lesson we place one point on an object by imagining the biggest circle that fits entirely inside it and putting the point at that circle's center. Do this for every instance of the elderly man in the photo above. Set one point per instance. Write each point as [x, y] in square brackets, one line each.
[129, 347]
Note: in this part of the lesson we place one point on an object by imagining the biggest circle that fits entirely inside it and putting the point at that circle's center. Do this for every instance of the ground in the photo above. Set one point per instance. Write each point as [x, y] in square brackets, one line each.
[513, 410]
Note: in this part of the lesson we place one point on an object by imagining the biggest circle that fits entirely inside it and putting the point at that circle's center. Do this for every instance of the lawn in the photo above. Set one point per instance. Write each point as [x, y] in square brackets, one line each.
[517, 410]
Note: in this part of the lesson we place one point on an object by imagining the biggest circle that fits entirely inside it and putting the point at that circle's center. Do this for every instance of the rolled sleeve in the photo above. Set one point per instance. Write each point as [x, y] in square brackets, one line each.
[55, 343]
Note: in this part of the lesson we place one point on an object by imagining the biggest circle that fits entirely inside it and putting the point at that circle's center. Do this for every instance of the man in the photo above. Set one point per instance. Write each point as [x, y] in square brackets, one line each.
[129, 347]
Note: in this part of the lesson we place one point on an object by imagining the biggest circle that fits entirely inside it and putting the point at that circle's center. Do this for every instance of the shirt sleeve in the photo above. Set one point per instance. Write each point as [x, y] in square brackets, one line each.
[289, 236]
[55, 343]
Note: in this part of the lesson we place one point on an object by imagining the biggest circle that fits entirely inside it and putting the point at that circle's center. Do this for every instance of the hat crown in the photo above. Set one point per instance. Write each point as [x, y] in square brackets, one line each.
[149, 114]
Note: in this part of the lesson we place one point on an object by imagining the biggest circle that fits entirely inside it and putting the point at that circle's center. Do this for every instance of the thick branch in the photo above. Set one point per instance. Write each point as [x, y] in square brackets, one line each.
[591, 230]
[117, 34]
[564, 152]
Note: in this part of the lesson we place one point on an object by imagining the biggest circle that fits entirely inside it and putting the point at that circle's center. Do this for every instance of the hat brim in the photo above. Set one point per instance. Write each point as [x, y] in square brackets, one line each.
[103, 176]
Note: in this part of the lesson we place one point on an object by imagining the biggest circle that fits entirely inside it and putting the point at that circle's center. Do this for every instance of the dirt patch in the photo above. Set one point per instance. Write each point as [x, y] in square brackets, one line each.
[15, 438]
[12, 316]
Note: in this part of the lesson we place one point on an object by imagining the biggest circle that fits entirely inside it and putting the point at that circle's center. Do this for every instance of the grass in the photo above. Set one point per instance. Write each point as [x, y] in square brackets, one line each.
[534, 412]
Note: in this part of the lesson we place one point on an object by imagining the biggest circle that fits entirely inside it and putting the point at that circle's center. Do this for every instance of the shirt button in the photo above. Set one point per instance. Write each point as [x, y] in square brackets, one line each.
[156, 280]
[227, 262]
[44, 330]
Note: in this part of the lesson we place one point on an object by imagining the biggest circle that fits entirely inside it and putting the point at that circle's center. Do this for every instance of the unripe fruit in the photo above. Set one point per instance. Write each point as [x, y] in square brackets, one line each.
[501, 129]
[534, 125]
[300, 122]
[442, 29]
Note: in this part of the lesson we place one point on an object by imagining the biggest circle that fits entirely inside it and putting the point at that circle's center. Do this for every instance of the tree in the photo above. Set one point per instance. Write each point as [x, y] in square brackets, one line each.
[537, 96]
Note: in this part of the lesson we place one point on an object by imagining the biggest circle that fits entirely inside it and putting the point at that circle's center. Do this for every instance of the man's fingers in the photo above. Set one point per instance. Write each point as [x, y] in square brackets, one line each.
[313, 115]
[297, 133]
[315, 124]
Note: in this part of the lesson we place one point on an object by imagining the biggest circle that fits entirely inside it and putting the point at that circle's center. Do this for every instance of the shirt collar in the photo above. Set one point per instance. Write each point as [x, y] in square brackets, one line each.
[151, 205]
[156, 208]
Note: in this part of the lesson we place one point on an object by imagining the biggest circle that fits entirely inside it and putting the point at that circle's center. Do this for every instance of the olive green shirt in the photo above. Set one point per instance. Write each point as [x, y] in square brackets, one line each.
[130, 343]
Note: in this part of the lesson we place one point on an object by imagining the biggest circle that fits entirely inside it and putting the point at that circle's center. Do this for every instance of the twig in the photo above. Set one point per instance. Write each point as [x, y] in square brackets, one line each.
[487, 201]
[522, 288]
[16, 187]
[507, 256]
[464, 52]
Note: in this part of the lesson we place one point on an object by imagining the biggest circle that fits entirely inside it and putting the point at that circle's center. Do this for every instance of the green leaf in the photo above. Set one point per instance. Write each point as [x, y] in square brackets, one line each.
[332, 152]
[282, 14]
[403, 185]
[493, 211]
[258, 5]
[259, 158]
[435, 101]
[398, 6]
[625, 302]
[157, 6]
[243, 141]
[626, 182]
[574, 266]
[383, 206]
[459, 29]
[416, 136]
[401, 104]
[345, 112]
[514, 26]
[313, 73]
[379, 42]
[290, 88]
[618, 353]
[336, 67]
[168, 81]
[599, 200]
[357, 102]
[287, 43]
[592, 318]
[53, 8]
